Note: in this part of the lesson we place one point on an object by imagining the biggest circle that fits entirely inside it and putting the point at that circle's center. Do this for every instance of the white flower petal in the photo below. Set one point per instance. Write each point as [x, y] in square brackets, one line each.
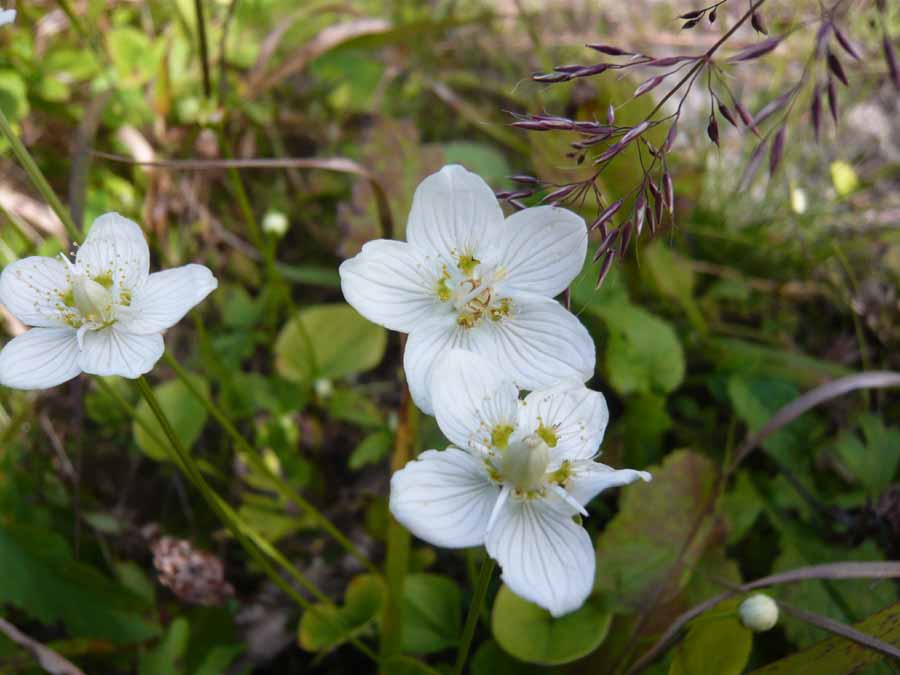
[444, 497]
[425, 343]
[7, 16]
[116, 246]
[39, 359]
[573, 414]
[392, 283]
[471, 398]
[32, 289]
[165, 298]
[451, 212]
[538, 344]
[591, 478]
[112, 352]
[542, 249]
[546, 557]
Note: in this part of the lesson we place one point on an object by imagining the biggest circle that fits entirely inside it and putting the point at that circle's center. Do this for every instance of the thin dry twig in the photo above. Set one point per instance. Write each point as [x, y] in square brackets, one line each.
[48, 659]
[843, 570]
[336, 164]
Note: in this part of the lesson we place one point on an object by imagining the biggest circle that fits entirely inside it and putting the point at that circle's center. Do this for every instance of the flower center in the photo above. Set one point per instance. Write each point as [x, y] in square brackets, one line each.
[92, 299]
[471, 293]
[524, 463]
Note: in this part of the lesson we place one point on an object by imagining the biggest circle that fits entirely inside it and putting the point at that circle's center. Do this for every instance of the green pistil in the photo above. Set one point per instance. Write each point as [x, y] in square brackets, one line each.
[547, 435]
[467, 264]
[105, 280]
[500, 436]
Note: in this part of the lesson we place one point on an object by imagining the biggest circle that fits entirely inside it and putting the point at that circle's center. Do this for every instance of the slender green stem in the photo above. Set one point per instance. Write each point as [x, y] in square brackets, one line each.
[252, 542]
[204, 48]
[397, 556]
[37, 178]
[256, 462]
[478, 597]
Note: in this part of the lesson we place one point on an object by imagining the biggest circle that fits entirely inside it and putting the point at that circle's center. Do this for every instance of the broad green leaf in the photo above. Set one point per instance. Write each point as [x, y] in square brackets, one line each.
[638, 550]
[350, 77]
[352, 406]
[838, 656]
[643, 354]
[531, 634]
[165, 658]
[325, 627]
[134, 55]
[843, 600]
[740, 356]
[432, 613]
[719, 645]
[218, 659]
[479, 158]
[186, 414]
[43, 579]
[873, 459]
[13, 95]
[756, 400]
[372, 449]
[491, 660]
[644, 423]
[328, 341]
[673, 278]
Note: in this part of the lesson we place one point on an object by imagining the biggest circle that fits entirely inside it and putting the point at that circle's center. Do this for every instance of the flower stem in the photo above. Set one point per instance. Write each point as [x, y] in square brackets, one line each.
[251, 456]
[37, 178]
[478, 597]
[252, 542]
[397, 557]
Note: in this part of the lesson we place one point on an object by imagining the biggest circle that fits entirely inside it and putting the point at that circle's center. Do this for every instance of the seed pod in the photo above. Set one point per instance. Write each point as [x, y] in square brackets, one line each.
[669, 192]
[635, 132]
[777, 151]
[607, 213]
[752, 166]
[625, 239]
[746, 117]
[648, 84]
[712, 15]
[605, 243]
[822, 38]
[551, 77]
[712, 129]
[640, 208]
[758, 613]
[773, 106]
[560, 193]
[655, 214]
[690, 24]
[609, 49]
[697, 13]
[832, 100]
[834, 65]
[670, 137]
[846, 44]
[726, 113]
[757, 50]
[610, 115]
[587, 71]
[890, 57]
[524, 180]
[569, 68]
[517, 205]
[758, 24]
[815, 110]
[610, 152]
[667, 61]
[604, 268]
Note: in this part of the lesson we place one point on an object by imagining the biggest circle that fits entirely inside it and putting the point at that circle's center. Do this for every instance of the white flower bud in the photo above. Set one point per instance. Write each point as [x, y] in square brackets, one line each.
[275, 222]
[759, 613]
[324, 388]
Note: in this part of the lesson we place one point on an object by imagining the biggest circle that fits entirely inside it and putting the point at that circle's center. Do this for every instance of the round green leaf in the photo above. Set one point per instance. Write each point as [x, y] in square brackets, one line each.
[432, 614]
[328, 341]
[720, 646]
[529, 633]
[185, 412]
[326, 626]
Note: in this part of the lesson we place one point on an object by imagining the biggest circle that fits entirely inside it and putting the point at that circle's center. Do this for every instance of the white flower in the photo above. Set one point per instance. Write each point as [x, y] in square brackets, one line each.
[104, 314]
[521, 472]
[7, 16]
[468, 278]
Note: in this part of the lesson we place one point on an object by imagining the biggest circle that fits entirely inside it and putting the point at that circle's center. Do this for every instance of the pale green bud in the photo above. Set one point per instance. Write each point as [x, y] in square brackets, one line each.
[759, 613]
